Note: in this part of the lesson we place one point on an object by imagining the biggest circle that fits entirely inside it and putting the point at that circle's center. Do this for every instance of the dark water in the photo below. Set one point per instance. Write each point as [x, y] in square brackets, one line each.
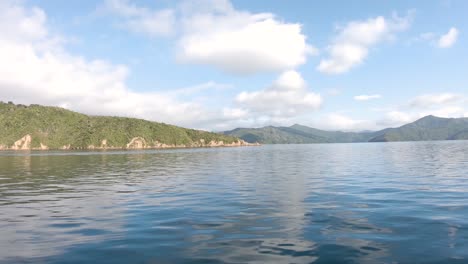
[337, 203]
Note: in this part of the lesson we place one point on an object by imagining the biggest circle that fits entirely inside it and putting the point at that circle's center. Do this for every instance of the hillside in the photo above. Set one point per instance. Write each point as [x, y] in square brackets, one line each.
[426, 128]
[42, 127]
[298, 134]
[272, 135]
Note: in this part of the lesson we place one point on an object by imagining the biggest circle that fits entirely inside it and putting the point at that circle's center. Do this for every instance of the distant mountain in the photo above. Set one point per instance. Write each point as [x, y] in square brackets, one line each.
[298, 134]
[426, 128]
[42, 127]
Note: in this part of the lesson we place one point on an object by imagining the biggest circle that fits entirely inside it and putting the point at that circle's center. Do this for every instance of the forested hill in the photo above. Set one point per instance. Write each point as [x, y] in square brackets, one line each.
[426, 128]
[43, 127]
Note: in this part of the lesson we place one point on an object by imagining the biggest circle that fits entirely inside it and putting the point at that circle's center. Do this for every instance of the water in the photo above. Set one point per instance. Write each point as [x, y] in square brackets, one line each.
[335, 203]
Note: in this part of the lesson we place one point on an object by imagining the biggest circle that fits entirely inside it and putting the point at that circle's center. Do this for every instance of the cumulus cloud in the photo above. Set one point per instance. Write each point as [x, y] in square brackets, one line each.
[242, 42]
[287, 97]
[395, 118]
[351, 45]
[143, 20]
[342, 122]
[399, 118]
[214, 33]
[365, 97]
[34, 69]
[448, 40]
[441, 105]
[58, 77]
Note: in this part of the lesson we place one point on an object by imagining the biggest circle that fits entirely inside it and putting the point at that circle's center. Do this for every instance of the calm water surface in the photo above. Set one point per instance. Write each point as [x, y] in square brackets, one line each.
[335, 203]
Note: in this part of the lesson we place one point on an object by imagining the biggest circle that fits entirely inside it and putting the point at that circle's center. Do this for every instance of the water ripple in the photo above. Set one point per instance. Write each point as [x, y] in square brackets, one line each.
[331, 203]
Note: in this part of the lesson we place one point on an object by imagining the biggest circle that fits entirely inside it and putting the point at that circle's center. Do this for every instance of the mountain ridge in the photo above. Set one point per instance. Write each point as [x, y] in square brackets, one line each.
[46, 127]
[426, 128]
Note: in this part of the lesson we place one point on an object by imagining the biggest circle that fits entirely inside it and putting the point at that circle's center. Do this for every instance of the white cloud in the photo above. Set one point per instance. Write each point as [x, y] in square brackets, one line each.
[340, 122]
[399, 118]
[447, 40]
[441, 105]
[439, 40]
[241, 42]
[143, 20]
[352, 43]
[287, 97]
[448, 111]
[29, 28]
[60, 78]
[395, 119]
[32, 70]
[214, 33]
[366, 97]
[195, 89]
[432, 100]
[235, 113]
[28, 47]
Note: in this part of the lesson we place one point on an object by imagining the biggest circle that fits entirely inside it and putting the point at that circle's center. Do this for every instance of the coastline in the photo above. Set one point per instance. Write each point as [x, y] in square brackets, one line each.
[136, 143]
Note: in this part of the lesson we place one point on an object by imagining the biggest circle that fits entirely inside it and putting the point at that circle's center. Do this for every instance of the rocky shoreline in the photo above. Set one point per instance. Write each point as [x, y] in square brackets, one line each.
[135, 143]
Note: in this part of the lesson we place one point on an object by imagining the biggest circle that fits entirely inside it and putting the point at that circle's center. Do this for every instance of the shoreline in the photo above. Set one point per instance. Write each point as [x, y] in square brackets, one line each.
[124, 149]
[136, 143]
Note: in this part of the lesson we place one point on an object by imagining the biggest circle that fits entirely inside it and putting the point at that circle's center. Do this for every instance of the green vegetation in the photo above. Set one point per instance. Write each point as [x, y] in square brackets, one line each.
[427, 128]
[57, 127]
[297, 134]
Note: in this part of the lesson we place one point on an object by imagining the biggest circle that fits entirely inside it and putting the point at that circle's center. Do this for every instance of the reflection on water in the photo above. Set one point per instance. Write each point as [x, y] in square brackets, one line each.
[355, 203]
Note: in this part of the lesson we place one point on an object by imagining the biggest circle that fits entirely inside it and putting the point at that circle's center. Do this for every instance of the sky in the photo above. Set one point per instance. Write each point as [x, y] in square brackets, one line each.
[219, 64]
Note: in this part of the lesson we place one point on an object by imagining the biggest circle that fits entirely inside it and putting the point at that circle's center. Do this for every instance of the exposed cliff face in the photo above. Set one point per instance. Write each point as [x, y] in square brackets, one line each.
[137, 143]
[24, 143]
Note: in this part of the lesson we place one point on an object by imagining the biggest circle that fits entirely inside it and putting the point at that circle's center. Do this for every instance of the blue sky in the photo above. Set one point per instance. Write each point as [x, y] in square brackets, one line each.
[218, 64]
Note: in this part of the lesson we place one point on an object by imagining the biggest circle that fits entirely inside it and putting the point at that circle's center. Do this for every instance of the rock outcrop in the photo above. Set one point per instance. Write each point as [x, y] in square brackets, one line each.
[215, 143]
[44, 147]
[23, 143]
[135, 143]
[66, 147]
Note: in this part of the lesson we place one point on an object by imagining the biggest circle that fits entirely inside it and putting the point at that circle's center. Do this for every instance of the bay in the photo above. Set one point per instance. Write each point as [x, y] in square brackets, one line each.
[401, 202]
